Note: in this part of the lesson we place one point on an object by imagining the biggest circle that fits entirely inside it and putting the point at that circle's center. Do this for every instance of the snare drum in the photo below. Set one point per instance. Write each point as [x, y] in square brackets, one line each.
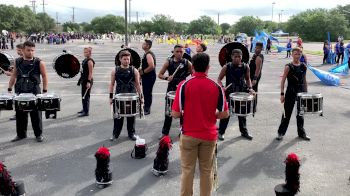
[241, 104]
[6, 102]
[49, 102]
[308, 103]
[25, 102]
[170, 96]
[126, 105]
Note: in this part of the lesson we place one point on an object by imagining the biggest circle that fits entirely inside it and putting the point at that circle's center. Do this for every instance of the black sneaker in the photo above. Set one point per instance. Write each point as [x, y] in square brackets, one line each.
[80, 112]
[305, 137]
[221, 137]
[13, 117]
[83, 114]
[247, 136]
[113, 138]
[40, 138]
[279, 137]
[132, 137]
[17, 139]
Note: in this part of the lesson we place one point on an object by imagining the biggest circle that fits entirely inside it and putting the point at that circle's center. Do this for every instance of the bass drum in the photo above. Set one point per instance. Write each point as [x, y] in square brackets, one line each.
[66, 65]
[135, 59]
[7, 61]
[225, 53]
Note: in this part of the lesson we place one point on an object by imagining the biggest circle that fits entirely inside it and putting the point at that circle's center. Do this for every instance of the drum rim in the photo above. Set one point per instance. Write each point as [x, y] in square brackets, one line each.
[234, 96]
[309, 95]
[126, 96]
[171, 94]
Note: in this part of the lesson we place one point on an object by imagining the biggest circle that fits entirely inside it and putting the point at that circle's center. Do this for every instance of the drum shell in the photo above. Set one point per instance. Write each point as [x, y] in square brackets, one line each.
[170, 96]
[241, 104]
[25, 102]
[126, 105]
[66, 65]
[6, 102]
[310, 103]
[48, 103]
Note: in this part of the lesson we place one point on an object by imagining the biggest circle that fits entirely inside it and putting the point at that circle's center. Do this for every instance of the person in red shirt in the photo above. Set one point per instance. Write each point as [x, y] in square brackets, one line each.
[200, 101]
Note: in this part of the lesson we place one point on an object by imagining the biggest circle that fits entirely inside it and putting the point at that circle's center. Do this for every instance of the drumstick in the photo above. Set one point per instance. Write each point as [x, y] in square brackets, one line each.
[85, 93]
[112, 112]
[228, 86]
[177, 69]
[284, 111]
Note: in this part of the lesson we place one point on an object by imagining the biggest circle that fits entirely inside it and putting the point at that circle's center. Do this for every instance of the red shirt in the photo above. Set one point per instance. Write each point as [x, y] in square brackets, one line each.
[199, 97]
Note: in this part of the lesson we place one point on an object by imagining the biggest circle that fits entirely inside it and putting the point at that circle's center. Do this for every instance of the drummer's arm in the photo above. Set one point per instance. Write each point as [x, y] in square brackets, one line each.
[43, 74]
[163, 70]
[305, 83]
[13, 77]
[284, 77]
[190, 70]
[137, 83]
[111, 86]
[249, 82]
[222, 75]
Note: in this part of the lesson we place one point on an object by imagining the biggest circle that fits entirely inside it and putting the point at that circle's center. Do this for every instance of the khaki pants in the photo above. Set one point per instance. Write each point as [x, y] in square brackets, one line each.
[191, 149]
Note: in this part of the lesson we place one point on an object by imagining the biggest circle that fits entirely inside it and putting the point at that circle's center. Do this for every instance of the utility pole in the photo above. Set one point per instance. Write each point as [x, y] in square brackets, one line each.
[126, 23]
[73, 17]
[137, 17]
[43, 4]
[129, 11]
[272, 10]
[218, 18]
[33, 5]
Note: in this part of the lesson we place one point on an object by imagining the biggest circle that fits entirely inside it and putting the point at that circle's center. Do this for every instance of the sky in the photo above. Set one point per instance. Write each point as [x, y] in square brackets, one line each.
[180, 10]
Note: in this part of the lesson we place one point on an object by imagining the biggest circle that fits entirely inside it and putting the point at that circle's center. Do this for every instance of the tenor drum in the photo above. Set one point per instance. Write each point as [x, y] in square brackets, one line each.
[126, 105]
[170, 96]
[49, 102]
[6, 102]
[241, 104]
[25, 102]
[308, 103]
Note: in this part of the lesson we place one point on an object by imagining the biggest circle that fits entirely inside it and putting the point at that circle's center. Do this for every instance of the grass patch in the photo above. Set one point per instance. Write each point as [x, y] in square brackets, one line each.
[319, 52]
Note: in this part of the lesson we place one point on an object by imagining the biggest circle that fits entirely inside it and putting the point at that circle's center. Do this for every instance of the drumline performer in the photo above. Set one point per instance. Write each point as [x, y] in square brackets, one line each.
[126, 78]
[19, 48]
[26, 77]
[171, 65]
[295, 73]
[86, 81]
[148, 74]
[255, 65]
[237, 80]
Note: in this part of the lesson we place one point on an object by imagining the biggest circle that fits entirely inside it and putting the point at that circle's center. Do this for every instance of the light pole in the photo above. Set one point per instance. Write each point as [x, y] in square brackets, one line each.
[273, 3]
[281, 14]
[126, 23]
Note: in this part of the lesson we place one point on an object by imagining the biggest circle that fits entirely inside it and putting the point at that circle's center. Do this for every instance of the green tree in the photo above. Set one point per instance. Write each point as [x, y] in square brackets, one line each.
[270, 26]
[70, 26]
[162, 23]
[108, 23]
[248, 25]
[313, 25]
[225, 28]
[181, 27]
[204, 25]
[144, 27]
[47, 23]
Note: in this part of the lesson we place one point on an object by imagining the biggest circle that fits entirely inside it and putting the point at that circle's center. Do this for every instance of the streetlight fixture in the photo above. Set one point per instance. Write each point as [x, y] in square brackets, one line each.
[126, 23]
[273, 3]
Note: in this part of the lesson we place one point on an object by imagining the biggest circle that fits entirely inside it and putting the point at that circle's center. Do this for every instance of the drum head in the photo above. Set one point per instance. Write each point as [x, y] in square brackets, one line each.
[135, 59]
[309, 95]
[241, 96]
[66, 65]
[225, 53]
[25, 96]
[126, 96]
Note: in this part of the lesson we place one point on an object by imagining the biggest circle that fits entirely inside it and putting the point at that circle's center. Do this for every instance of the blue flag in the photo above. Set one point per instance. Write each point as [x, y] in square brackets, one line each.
[342, 69]
[325, 77]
